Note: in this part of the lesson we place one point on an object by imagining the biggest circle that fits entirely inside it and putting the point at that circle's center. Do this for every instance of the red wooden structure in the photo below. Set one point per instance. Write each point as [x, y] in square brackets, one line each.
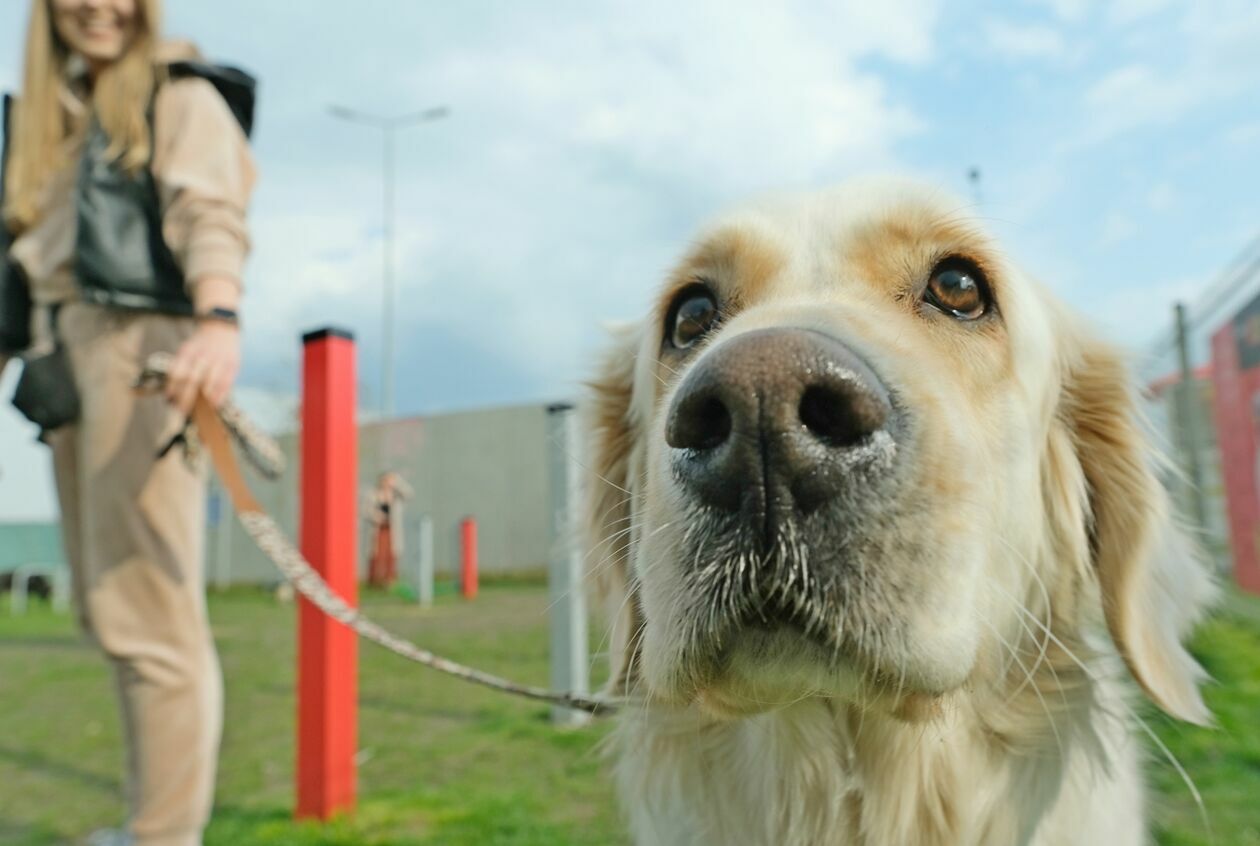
[327, 650]
[468, 558]
[1236, 394]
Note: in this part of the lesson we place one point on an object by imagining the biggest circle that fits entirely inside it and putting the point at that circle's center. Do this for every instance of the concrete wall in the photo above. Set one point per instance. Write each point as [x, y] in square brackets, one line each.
[492, 464]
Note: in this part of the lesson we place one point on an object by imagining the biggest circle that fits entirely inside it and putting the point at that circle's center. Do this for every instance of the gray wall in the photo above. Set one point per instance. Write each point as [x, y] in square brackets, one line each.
[492, 464]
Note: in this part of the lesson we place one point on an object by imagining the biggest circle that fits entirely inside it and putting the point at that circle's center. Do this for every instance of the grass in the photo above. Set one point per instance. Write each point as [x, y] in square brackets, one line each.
[446, 763]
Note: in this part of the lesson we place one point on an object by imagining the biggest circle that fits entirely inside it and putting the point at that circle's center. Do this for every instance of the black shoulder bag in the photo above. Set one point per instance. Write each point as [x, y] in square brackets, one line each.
[45, 393]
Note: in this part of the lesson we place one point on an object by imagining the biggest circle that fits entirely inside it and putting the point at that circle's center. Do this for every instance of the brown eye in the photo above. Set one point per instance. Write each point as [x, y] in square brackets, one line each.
[957, 288]
[692, 315]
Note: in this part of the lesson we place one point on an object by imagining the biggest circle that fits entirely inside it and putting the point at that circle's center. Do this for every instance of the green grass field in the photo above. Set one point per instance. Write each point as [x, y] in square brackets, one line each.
[446, 763]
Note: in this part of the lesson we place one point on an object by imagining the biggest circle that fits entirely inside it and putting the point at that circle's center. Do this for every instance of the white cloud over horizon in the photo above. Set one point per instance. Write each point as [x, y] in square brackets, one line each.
[586, 141]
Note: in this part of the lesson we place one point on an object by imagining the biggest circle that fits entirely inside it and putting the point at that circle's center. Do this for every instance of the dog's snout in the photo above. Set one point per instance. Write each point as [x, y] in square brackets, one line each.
[775, 418]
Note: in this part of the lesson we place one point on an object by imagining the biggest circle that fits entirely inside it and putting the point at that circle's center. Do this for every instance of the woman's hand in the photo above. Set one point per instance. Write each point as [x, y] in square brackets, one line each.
[206, 363]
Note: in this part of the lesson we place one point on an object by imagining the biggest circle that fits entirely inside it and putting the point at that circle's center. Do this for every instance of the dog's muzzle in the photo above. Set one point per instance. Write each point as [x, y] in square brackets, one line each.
[776, 424]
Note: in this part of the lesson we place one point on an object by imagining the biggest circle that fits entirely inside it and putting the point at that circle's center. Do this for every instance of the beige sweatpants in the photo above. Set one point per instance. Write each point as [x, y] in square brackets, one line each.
[133, 527]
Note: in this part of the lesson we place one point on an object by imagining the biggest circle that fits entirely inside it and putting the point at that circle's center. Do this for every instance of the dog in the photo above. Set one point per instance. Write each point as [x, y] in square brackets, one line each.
[880, 533]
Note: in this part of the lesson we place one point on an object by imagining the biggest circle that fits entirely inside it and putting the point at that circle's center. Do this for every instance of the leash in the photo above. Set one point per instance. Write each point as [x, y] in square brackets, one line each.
[214, 430]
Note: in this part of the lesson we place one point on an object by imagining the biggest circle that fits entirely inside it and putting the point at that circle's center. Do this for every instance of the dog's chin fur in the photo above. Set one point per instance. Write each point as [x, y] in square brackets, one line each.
[944, 659]
[765, 668]
[758, 666]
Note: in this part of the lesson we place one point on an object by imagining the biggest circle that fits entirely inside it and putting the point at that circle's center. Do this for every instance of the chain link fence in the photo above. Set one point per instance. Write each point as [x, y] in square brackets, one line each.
[1204, 401]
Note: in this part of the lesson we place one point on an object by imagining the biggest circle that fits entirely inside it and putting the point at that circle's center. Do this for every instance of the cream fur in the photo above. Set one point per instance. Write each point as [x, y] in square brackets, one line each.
[1035, 575]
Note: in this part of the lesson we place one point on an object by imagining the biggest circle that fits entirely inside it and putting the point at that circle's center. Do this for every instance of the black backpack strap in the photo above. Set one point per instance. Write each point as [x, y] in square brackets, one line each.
[15, 296]
[4, 164]
[237, 88]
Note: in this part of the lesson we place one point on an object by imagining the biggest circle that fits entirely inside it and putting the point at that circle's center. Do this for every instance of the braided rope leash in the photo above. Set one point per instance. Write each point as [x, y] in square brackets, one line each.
[215, 431]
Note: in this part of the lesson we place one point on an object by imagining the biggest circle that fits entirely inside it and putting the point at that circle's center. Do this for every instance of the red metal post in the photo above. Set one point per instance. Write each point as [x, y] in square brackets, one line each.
[468, 560]
[327, 650]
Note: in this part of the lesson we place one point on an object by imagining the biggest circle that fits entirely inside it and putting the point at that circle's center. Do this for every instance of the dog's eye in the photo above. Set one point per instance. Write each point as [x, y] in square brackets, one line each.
[957, 288]
[692, 314]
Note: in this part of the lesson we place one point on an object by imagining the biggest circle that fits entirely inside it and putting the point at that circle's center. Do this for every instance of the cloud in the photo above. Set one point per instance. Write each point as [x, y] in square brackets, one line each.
[1071, 11]
[1244, 134]
[581, 151]
[730, 100]
[1135, 96]
[1116, 227]
[1215, 60]
[1126, 12]
[1144, 323]
[1162, 197]
[1024, 41]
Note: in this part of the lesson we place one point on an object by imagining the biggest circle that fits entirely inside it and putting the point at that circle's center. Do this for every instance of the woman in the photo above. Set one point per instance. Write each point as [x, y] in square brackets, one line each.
[126, 181]
[385, 520]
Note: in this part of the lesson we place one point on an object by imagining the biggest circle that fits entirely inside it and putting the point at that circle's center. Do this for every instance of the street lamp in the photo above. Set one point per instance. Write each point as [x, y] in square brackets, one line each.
[388, 126]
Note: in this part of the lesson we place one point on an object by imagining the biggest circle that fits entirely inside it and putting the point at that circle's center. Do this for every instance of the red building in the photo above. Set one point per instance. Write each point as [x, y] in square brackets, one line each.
[1236, 378]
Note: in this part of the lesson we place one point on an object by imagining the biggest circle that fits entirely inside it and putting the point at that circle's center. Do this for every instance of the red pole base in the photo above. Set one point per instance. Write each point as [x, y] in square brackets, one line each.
[468, 558]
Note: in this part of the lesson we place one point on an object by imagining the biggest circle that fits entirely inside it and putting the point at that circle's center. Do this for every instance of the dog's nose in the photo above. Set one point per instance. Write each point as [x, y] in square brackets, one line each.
[775, 417]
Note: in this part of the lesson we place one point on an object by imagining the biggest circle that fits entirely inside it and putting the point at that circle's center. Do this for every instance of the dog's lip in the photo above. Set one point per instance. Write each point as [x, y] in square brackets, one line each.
[813, 637]
[833, 670]
[777, 614]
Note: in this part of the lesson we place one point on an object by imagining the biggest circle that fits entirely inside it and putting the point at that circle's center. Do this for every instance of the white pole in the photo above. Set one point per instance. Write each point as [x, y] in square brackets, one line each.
[387, 309]
[387, 125]
[424, 566]
[566, 587]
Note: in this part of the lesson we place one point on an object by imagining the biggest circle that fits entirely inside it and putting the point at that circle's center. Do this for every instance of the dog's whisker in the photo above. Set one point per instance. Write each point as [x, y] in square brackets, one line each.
[1129, 710]
[1028, 679]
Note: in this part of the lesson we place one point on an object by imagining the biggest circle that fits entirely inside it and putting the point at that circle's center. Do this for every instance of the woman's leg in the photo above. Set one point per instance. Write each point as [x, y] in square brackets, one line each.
[64, 443]
[391, 557]
[142, 526]
[378, 568]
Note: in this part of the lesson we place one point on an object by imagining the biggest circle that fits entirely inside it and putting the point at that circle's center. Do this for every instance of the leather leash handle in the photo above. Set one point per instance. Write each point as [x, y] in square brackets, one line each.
[214, 437]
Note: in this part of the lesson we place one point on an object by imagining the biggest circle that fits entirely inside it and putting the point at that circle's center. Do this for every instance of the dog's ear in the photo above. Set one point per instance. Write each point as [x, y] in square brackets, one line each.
[611, 447]
[1153, 587]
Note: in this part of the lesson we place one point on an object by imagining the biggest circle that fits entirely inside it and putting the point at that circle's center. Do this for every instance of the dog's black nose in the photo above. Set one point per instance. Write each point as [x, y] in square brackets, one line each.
[776, 418]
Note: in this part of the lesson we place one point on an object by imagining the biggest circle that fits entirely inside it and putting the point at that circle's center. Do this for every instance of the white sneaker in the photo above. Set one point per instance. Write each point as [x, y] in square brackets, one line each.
[108, 837]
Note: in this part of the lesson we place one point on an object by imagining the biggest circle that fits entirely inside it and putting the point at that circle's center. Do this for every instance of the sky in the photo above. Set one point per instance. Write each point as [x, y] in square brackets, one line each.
[1117, 143]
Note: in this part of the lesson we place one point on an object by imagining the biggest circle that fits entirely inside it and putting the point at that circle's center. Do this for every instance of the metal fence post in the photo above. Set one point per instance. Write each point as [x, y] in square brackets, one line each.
[424, 563]
[566, 586]
[1188, 414]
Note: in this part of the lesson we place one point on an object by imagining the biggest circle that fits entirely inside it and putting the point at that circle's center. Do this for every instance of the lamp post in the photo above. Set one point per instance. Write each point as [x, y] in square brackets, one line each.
[388, 126]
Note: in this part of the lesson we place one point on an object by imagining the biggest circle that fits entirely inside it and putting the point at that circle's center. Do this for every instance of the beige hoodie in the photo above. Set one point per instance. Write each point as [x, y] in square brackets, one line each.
[204, 174]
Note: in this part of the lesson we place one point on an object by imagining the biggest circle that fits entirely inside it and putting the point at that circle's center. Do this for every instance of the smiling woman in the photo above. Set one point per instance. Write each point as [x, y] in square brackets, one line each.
[99, 32]
[127, 174]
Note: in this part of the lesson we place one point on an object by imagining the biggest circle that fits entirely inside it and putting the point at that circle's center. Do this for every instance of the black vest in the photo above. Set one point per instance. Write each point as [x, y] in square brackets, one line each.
[121, 259]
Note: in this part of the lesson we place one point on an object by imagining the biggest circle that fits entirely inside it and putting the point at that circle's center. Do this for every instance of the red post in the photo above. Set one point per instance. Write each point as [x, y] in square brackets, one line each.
[468, 559]
[327, 650]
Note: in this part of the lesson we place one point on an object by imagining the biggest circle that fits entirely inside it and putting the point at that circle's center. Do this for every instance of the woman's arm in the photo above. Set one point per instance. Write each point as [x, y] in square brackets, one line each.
[404, 490]
[205, 175]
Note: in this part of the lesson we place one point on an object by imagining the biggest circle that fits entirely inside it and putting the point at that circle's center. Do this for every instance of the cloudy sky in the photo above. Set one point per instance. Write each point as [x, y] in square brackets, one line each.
[1118, 144]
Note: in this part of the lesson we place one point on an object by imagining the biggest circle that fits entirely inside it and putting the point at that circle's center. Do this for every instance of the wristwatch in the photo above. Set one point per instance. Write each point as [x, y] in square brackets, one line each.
[218, 314]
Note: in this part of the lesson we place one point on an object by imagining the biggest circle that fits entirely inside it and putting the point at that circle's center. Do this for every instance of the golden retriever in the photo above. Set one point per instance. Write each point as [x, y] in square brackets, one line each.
[879, 529]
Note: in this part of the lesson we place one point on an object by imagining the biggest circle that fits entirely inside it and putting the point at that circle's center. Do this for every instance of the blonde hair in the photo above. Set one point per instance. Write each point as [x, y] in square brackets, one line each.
[40, 123]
